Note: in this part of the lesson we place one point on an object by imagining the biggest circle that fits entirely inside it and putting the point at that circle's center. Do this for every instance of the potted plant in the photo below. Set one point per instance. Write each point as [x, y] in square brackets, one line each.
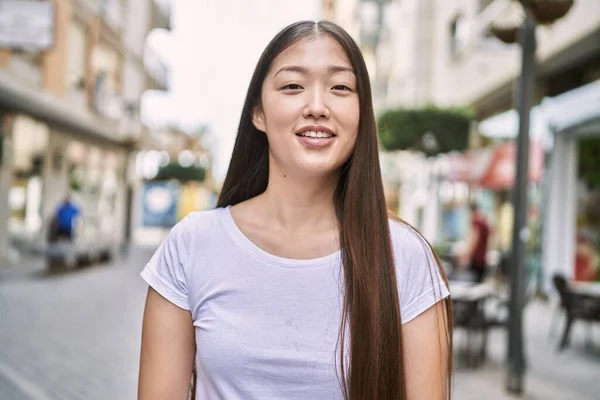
[506, 34]
[547, 11]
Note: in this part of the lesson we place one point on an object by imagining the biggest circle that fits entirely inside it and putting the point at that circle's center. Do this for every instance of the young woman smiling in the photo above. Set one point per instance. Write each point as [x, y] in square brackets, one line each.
[299, 285]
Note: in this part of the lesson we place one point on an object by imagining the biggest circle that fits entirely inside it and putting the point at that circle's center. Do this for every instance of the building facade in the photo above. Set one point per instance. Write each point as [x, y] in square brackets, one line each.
[442, 52]
[70, 117]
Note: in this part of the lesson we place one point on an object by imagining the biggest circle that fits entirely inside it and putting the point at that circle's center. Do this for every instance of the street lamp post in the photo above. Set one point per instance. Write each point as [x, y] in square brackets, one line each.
[516, 357]
[536, 12]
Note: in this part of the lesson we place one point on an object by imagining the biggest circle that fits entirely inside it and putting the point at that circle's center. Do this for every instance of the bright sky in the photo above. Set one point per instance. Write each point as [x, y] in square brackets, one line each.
[212, 52]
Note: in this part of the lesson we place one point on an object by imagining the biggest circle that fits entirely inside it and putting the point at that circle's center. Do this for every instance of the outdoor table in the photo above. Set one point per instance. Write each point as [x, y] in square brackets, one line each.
[468, 300]
[591, 289]
[470, 291]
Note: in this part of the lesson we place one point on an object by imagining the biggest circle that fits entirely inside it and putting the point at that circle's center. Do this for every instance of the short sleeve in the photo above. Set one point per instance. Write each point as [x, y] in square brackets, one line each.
[420, 282]
[166, 270]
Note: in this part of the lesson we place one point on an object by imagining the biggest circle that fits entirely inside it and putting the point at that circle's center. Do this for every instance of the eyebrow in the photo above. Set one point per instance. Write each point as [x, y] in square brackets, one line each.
[334, 69]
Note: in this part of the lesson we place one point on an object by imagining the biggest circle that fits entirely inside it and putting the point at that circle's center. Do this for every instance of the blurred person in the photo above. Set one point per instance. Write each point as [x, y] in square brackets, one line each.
[299, 285]
[63, 221]
[473, 257]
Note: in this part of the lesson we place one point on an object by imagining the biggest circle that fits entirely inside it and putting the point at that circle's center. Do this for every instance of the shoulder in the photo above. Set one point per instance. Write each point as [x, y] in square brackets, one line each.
[419, 276]
[197, 225]
[407, 242]
[203, 220]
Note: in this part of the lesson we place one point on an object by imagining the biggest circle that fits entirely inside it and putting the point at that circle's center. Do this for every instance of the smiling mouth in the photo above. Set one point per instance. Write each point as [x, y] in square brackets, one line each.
[316, 134]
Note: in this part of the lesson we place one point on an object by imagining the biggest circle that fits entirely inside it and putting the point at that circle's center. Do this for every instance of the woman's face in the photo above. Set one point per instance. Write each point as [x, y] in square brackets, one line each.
[310, 108]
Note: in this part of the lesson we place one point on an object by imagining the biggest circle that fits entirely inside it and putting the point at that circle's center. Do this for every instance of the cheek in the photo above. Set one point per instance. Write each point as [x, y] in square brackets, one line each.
[350, 120]
[279, 115]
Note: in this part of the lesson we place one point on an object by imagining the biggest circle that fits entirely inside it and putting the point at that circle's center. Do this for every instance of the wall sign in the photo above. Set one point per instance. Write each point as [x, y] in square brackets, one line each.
[27, 24]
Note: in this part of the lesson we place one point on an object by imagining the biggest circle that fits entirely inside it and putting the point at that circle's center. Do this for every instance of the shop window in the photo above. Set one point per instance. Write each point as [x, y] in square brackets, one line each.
[587, 251]
[107, 199]
[30, 140]
[94, 183]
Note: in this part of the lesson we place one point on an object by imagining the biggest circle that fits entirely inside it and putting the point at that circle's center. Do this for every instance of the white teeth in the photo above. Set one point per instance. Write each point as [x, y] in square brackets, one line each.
[315, 134]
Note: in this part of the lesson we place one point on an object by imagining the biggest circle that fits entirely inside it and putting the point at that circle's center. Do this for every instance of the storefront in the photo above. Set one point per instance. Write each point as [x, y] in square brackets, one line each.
[30, 139]
[49, 150]
[46, 165]
[572, 217]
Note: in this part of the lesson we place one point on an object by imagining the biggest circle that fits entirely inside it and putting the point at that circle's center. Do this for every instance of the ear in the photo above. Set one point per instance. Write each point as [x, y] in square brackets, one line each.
[258, 119]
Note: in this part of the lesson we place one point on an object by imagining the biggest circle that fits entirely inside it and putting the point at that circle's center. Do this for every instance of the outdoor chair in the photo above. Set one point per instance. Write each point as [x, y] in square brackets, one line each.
[558, 311]
[577, 306]
[471, 317]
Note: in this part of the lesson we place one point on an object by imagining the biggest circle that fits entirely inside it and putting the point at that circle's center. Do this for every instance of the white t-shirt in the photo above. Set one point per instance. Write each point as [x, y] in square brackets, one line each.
[267, 327]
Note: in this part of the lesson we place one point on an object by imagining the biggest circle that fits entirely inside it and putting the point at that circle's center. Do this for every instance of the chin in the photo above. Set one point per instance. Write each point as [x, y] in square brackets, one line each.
[323, 168]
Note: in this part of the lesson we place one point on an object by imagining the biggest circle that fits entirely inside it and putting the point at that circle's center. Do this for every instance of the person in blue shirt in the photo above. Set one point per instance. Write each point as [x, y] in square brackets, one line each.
[64, 219]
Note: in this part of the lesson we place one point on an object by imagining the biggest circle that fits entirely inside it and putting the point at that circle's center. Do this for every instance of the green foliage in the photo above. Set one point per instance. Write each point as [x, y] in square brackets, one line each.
[415, 129]
[589, 161]
[180, 173]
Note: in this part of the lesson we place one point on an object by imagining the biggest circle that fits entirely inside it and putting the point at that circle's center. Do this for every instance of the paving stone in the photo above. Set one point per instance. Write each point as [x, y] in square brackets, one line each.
[76, 336]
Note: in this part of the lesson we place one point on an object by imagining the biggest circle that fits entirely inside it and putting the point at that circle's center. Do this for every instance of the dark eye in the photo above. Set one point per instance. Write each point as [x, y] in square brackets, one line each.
[342, 87]
[292, 86]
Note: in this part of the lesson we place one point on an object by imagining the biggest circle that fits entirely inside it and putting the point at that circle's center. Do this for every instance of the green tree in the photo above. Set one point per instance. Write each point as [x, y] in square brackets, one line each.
[430, 130]
[180, 173]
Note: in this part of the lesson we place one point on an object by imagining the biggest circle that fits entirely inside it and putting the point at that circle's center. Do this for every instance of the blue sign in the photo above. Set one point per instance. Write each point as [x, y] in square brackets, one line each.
[159, 204]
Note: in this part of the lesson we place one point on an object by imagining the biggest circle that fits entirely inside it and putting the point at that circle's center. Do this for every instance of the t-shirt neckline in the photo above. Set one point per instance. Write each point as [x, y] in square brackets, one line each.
[245, 243]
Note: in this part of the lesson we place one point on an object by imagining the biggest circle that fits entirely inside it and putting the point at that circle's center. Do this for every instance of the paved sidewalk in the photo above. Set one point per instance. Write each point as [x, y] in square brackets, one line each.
[27, 267]
[72, 335]
[76, 336]
[573, 374]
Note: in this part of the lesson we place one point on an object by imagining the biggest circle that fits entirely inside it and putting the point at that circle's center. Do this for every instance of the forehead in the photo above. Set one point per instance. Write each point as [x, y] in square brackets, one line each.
[313, 53]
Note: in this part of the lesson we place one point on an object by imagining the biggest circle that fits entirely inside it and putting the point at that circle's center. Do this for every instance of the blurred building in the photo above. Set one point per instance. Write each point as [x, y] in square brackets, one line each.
[70, 87]
[175, 177]
[447, 53]
[442, 52]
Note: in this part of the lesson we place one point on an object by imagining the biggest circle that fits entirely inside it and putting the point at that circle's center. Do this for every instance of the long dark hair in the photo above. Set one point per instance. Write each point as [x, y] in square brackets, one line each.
[375, 366]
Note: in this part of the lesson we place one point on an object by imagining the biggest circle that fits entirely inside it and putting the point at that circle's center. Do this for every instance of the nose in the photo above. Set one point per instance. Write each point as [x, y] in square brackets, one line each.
[316, 104]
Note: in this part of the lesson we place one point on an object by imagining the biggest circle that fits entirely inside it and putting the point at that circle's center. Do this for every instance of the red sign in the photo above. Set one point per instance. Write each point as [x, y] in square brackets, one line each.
[494, 167]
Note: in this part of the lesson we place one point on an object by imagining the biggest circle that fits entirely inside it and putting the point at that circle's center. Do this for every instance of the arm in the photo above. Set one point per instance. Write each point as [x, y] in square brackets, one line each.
[168, 348]
[426, 354]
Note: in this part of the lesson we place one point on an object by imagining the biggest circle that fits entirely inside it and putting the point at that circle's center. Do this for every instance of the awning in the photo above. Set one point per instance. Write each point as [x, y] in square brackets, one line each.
[576, 111]
[494, 167]
[506, 125]
[55, 112]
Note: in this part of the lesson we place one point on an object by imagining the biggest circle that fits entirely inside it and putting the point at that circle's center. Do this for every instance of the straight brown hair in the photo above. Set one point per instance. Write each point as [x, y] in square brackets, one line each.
[374, 367]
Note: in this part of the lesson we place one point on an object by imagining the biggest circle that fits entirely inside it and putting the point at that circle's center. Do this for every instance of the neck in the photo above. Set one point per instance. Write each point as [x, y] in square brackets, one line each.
[298, 203]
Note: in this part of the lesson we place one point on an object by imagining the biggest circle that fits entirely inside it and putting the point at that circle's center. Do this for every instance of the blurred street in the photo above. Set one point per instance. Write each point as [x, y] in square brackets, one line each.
[76, 335]
[118, 118]
[73, 335]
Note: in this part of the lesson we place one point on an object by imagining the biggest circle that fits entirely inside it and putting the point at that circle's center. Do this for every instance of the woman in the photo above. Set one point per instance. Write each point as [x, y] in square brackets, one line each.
[299, 286]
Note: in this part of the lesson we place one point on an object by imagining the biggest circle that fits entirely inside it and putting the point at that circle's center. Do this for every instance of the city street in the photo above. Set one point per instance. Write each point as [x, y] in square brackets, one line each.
[76, 336]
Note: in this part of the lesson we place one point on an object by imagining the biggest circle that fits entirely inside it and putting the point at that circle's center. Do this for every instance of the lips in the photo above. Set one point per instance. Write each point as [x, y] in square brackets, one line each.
[314, 136]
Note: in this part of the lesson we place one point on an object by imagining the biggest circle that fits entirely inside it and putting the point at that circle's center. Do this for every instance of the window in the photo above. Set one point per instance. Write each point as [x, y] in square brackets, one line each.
[459, 35]
[106, 66]
[76, 57]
